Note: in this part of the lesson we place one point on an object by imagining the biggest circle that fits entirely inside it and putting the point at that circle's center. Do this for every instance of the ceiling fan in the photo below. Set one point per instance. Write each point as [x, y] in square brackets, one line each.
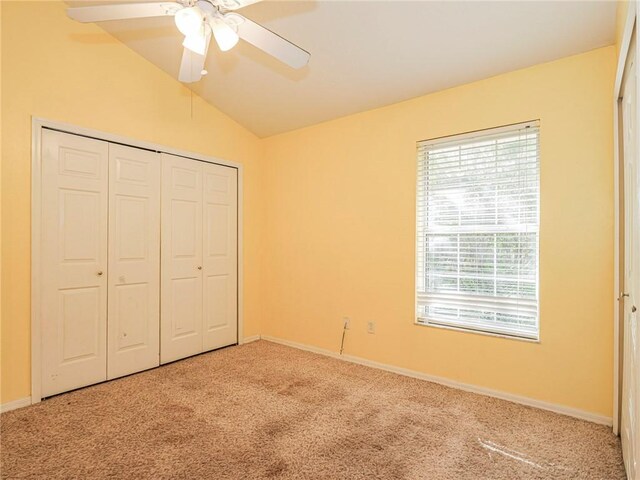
[198, 20]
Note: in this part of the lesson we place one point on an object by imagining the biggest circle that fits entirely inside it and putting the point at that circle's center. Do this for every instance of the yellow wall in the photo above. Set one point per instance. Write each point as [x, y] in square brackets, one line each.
[66, 71]
[329, 210]
[341, 233]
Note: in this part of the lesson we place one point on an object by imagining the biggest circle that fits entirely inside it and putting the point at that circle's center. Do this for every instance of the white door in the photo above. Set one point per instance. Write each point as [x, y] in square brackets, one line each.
[134, 260]
[220, 256]
[630, 421]
[74, 261]
[181, 284]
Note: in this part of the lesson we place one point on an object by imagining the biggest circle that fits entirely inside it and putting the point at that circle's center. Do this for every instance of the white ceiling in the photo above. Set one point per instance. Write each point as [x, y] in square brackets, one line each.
[366, 54]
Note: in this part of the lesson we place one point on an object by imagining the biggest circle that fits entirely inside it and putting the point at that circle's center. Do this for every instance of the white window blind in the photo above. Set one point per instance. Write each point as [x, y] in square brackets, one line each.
[477, 225]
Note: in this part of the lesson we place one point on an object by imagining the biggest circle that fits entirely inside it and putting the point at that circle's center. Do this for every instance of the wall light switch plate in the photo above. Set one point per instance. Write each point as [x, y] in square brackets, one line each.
[371, 327]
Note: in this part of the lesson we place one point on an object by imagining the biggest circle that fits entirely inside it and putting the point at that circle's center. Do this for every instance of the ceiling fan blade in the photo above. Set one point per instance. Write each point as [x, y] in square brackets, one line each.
[192, 63]
[191, 66]
[234, 4]
[102, 13]
[269, 42]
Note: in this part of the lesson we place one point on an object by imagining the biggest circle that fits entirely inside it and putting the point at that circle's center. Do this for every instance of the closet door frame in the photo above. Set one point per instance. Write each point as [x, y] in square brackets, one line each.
[37, 126]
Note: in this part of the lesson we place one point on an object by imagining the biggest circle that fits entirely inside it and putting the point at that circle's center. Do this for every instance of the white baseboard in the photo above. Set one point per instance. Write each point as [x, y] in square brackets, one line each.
[21, 402]
[531, 402]
[250, 339]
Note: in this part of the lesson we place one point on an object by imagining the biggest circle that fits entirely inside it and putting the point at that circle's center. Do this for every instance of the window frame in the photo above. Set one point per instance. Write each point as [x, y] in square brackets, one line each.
[462, 139]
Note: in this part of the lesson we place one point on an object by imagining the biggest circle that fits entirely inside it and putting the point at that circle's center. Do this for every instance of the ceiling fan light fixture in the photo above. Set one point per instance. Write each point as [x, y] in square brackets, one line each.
[189, 21]
[225, 36]
[198, 42]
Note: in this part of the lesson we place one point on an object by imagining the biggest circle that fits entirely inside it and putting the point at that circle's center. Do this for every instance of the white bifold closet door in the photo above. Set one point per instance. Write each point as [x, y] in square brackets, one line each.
[134, 260]
[199, 257]
[73, 261]
[220, 256]
[181, 287]
[112, 304]
[100, 256]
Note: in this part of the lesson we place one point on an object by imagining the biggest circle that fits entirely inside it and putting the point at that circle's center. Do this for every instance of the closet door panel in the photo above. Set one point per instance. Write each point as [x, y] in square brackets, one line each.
[134, 260]
[181, 292]
[220, 256]
[74, 261]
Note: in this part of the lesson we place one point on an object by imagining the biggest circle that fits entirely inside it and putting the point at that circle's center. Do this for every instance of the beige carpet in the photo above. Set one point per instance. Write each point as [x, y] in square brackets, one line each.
[268, 411]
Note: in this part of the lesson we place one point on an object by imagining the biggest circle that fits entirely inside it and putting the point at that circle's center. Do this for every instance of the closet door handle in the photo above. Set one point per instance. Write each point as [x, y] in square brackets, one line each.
[100, 273]
[199, 267]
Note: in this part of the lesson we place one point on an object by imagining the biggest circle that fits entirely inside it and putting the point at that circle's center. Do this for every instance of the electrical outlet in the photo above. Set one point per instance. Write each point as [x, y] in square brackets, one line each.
[346, 322]
[371, 327]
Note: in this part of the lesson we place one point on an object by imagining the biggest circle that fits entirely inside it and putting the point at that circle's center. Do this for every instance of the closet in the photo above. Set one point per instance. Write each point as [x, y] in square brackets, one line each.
[138, 259]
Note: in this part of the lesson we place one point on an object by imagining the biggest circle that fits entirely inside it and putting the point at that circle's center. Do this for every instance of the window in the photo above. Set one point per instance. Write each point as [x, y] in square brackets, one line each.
[478, 226]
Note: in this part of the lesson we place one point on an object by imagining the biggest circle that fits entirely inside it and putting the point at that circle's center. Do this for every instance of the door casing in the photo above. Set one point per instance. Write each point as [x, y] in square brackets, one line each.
[625, 44]
[630, 267]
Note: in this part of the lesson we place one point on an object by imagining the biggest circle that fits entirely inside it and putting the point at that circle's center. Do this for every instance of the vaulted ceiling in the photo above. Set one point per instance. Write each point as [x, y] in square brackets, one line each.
[367, 54]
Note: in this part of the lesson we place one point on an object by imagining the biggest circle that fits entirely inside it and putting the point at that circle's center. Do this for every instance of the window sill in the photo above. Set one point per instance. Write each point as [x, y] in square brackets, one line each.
[477, 332]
